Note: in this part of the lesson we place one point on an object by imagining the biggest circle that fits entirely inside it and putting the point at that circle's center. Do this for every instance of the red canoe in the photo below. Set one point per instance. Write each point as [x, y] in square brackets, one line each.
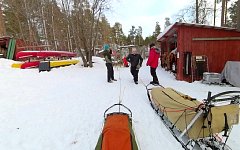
[44, 54]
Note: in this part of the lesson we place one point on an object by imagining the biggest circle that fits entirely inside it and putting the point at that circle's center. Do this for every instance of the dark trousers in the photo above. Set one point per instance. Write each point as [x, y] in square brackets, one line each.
[154, 75]
[134, 73]
[110, 73]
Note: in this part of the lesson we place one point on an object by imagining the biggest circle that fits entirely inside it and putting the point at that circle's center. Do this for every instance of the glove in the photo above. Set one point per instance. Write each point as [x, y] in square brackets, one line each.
[138, 67]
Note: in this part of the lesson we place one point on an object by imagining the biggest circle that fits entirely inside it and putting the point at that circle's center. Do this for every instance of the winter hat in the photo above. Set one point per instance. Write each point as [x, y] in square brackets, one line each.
[106, 47]
[151, 45]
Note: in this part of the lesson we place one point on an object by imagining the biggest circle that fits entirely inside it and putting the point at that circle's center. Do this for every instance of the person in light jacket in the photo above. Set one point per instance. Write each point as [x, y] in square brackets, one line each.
[152, 61]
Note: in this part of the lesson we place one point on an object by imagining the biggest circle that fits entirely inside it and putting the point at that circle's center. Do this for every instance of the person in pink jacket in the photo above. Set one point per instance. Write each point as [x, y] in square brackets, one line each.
[152, 61]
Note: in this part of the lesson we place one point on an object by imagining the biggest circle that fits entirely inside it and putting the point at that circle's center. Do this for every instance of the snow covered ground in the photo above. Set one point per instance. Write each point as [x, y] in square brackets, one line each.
[63, 109]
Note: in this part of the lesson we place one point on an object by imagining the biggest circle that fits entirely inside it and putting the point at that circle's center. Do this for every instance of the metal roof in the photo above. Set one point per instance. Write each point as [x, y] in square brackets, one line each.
[173, 28]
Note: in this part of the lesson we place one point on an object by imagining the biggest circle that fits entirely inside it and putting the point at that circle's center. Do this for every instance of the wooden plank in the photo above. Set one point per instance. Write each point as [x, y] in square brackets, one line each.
[216, 39]
[9, 48]
[12, 49]
[37, 46]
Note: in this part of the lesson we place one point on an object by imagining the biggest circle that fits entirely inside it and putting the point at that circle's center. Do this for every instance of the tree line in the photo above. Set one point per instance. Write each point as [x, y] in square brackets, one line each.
[72, 25]
[205, 12]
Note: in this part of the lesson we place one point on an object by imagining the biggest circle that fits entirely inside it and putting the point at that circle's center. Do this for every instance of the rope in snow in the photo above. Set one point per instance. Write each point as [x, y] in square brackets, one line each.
[142, 82]
[121, 92]
[148, 84]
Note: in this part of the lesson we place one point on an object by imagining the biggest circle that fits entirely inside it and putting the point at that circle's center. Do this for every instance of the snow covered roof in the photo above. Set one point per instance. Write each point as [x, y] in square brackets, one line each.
[164, 32]
[169, 28]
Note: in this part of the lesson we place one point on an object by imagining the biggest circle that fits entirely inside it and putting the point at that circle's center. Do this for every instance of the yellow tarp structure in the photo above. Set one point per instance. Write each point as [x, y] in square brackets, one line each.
[218, 122]
[180, 110]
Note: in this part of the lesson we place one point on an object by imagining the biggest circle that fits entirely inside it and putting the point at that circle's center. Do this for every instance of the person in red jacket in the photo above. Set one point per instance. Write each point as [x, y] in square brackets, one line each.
[125, 62]
[152, 61]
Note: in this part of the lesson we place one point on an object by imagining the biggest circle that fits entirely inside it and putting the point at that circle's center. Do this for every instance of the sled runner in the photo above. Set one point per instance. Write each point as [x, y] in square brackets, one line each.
[197, 125]
[117, 133]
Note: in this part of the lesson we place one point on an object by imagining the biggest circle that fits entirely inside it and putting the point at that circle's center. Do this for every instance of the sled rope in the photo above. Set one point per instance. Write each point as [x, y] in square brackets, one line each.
[142, 82]
[177, 101]
[171, 109]
[148, 84]
[121, 92]
[120, 89]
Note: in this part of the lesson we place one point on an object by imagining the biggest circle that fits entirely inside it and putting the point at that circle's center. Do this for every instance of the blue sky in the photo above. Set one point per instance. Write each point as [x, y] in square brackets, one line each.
[144, 13]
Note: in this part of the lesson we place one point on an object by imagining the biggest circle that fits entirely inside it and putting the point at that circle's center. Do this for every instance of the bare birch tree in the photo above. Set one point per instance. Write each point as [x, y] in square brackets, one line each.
[198, 13]
[67, 24]
[87, 16]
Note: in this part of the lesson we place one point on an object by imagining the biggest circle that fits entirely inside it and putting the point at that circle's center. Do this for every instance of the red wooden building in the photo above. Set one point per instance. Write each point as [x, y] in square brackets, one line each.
[191, 49]
[21, 45]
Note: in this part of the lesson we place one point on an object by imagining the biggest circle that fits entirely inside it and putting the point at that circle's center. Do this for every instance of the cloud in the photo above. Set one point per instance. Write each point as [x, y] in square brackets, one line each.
[143, 13]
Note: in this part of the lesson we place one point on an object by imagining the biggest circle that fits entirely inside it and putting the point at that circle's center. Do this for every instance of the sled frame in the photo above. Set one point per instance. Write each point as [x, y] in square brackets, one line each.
[200, 144]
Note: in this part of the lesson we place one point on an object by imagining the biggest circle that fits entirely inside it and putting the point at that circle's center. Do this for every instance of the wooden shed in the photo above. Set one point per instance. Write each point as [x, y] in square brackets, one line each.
[20, 45]
[188, 50]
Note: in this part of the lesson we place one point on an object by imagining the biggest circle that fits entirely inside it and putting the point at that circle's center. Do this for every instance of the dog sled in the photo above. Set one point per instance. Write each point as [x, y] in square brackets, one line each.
[196, 125]
[117, 133]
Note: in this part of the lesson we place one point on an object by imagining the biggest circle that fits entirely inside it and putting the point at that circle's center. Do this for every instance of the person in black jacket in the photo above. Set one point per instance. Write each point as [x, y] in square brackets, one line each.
[135, 60]
[107, 55]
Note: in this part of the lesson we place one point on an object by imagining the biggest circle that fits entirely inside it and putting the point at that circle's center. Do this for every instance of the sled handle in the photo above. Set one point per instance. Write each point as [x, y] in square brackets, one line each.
[120, 105]
[213, 98]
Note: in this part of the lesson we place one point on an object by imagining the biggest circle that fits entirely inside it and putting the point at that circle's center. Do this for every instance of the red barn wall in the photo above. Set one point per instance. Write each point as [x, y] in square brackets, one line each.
[217, 52]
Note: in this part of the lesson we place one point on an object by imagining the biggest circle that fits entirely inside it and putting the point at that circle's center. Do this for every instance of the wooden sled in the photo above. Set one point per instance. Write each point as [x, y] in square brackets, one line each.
[197, 125]
[117, 133]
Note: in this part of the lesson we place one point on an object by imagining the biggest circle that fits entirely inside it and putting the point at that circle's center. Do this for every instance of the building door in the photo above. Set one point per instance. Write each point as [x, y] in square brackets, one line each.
[199, 66]
[187, 68]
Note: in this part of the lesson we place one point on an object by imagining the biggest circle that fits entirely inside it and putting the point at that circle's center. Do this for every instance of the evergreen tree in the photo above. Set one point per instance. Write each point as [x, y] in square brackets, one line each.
[232, 22]
[104, 30]
[157, 29]
[152, 38]
[234, 14]
[132, 34]
[167, 22]
[139, 37]
[117, 33]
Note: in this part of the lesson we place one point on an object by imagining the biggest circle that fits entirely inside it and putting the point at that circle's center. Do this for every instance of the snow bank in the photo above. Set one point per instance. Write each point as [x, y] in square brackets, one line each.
[63, 109]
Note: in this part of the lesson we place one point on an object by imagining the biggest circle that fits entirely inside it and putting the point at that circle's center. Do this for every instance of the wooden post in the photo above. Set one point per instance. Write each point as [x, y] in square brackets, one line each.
[216, 39]
[225, 17]
[214, 12]
[238, 15]
[223, 13]
[197, 21]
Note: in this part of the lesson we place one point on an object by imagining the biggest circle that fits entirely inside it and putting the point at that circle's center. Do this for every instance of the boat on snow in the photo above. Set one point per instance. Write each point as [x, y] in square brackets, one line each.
[56, 58]
[44, 54]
